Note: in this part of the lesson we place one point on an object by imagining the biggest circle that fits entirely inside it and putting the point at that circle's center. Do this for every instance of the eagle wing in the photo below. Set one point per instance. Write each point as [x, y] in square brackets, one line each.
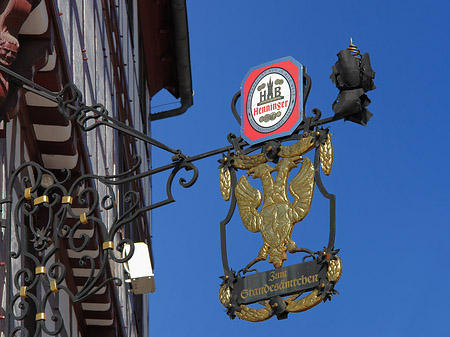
[248, 200]
[301, 188]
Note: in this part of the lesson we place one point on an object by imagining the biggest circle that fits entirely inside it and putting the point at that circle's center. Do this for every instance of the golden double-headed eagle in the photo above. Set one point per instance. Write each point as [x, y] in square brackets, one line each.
[278, 215]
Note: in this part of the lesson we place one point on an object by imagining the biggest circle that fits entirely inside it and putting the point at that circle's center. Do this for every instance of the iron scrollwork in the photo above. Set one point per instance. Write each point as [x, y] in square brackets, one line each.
[41, 221]
[44, 220]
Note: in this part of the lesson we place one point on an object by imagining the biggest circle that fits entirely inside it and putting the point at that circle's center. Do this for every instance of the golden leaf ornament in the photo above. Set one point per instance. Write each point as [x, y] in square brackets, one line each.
[225, 183]
[326, 155]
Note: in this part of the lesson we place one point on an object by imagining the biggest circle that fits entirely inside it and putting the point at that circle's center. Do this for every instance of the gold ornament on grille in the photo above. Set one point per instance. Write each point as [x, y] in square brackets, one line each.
[40, 200]
[67, 199]
[225, 183]
[54, 286]
[40, 270]
[27, 193]
[83, 218]
[41, 316]
[326, 155]
[108, 245]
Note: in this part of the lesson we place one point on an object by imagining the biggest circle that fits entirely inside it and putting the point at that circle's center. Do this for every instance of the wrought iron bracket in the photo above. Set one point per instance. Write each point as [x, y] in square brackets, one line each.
[54, 204]
[89, 117]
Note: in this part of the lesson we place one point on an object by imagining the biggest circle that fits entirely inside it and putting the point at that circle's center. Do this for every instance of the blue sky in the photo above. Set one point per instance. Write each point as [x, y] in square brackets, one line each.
[390, 178]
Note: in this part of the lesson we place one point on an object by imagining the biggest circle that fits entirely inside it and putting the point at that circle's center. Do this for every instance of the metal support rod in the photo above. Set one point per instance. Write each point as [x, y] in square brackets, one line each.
[310, 122]
[52, 96]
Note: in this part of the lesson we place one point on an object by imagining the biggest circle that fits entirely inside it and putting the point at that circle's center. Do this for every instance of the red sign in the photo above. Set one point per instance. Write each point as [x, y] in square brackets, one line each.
[272, 103]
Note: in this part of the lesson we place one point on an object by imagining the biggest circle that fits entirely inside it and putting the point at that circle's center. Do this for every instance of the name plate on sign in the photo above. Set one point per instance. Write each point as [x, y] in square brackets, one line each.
[279, 282]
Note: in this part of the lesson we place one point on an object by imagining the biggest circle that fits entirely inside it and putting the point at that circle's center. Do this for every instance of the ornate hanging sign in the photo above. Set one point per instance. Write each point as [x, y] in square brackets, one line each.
[273, 97]
[272, 100]
[280, 136]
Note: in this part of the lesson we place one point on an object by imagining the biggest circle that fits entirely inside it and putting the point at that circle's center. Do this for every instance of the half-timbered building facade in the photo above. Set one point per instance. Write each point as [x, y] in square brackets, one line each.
[118, 53]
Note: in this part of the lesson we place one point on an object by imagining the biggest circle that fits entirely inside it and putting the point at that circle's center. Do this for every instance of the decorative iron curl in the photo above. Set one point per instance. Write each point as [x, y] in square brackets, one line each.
[87, 261]
[187, 167]
[84, 200]
[21, 329]
[27, 208]
[24, 306]
[132, 199]
[57, 271]
[27, 275]
[107, 202]
[56, 319]
[66, 174]
[84, 237]
[94, 280]
[120, 248]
